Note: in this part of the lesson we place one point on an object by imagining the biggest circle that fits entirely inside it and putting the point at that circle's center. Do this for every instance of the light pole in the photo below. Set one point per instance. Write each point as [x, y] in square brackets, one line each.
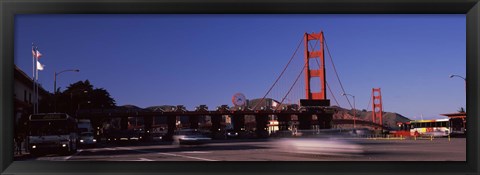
[354, 110]
[55, 84]
[453, 75]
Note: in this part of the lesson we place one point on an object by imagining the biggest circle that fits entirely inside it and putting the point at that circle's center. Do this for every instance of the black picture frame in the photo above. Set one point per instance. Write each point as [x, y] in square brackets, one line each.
[9, 8]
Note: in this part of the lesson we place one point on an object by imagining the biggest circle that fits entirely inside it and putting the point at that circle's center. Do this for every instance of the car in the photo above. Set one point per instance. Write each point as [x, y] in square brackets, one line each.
[362, 132]
[189, 137]
[230, 133]
[86, 139]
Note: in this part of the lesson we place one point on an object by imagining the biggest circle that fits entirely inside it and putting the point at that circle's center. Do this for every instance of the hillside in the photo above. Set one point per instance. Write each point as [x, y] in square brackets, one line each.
[389, 118]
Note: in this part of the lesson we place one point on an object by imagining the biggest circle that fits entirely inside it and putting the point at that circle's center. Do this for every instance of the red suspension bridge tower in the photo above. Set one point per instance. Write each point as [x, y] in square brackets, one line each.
[315, 101]
[377, 106]
[309, 73]
[311, 53]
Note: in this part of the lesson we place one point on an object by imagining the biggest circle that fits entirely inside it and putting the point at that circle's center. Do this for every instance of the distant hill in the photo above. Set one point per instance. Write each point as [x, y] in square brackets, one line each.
[126, 108]
[160, 108]
[389, 118]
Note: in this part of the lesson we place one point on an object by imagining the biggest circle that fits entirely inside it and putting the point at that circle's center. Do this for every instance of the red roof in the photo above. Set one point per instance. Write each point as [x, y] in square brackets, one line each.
[459, 114]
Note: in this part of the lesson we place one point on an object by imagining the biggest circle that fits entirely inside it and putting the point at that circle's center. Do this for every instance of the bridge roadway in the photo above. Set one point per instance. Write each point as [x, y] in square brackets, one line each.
[93, 114]
[438, 149]
[181, 112]
[324, 117]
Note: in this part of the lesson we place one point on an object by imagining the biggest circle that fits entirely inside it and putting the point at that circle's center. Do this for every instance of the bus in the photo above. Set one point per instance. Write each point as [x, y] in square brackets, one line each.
[436, 128]
[52, 132]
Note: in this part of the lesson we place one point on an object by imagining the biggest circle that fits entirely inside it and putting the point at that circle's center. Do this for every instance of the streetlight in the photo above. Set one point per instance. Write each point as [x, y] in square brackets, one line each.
[453, 75]
[55, 84]
[354, 113]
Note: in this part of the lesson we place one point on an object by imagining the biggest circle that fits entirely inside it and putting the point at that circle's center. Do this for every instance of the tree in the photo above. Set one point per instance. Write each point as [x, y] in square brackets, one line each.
[102, 99]
[82, 95]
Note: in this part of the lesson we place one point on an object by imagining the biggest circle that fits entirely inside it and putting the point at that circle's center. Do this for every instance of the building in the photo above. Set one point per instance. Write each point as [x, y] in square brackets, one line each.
[24, 98]
[457, 122]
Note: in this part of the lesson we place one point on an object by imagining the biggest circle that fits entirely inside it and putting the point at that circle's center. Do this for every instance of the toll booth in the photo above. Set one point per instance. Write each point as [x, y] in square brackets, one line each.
[457, 122]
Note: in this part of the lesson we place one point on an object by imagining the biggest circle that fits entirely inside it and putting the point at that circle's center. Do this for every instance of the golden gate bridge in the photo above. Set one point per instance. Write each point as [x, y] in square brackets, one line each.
[312, 93]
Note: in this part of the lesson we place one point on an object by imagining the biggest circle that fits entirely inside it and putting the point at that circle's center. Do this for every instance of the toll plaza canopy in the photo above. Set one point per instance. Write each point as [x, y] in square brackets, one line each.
[456, 115]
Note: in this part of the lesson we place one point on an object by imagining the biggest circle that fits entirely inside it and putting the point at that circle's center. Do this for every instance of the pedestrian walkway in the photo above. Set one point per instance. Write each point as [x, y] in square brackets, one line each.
[24, 155]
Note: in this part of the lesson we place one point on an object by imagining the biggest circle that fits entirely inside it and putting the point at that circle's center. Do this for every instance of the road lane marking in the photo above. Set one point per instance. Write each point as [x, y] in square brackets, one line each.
[195, 152]
[145, 159]
[190, 157]
[68, 157]
[130, 149]
[169, 154]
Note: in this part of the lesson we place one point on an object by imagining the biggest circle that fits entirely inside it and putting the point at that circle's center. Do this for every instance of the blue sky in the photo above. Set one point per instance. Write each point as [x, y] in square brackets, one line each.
[149, 60]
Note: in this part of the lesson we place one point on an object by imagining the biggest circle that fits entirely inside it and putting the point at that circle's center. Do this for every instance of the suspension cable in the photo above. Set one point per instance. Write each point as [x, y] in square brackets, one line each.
[329, 89]
[291, 87]
[318, 63]
[371, 95]
[278, 78]
[301, 71]
[335, 70]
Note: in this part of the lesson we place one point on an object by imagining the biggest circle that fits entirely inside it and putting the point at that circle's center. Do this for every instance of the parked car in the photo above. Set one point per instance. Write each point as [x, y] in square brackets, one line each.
[189, 136]
[87, 139]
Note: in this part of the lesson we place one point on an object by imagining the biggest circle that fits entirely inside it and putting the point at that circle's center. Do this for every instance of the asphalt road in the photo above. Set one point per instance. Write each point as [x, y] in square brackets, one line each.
[438, 149]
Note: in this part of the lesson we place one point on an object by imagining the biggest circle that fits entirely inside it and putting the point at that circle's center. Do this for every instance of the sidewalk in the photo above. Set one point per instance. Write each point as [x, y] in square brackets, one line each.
[23, 156]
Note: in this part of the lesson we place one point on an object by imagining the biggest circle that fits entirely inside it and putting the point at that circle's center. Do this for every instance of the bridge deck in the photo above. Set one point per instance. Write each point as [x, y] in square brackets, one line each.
[198, 113]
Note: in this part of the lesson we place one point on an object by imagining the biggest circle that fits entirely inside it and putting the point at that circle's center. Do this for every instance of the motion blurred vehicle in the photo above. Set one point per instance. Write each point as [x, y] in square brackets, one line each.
[123, 135]
[320, 146]
[86, 139]
[230, 133]
[189, 137]
[362, 132]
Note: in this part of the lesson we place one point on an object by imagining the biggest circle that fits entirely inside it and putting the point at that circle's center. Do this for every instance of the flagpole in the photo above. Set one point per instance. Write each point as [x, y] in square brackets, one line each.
[36, 80]
[34, 66]
[38, 66]
[36, 102]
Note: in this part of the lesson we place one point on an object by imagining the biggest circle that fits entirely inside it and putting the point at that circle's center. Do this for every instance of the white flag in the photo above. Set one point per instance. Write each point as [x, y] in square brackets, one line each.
[40, 66]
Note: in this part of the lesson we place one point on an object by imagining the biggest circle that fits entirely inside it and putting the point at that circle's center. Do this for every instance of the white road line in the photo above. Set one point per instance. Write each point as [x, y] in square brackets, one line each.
[145, 159]
[99, 149]
[169, 154]
[190, 157]
[78, 152]
[195, 152]
[130, 149]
